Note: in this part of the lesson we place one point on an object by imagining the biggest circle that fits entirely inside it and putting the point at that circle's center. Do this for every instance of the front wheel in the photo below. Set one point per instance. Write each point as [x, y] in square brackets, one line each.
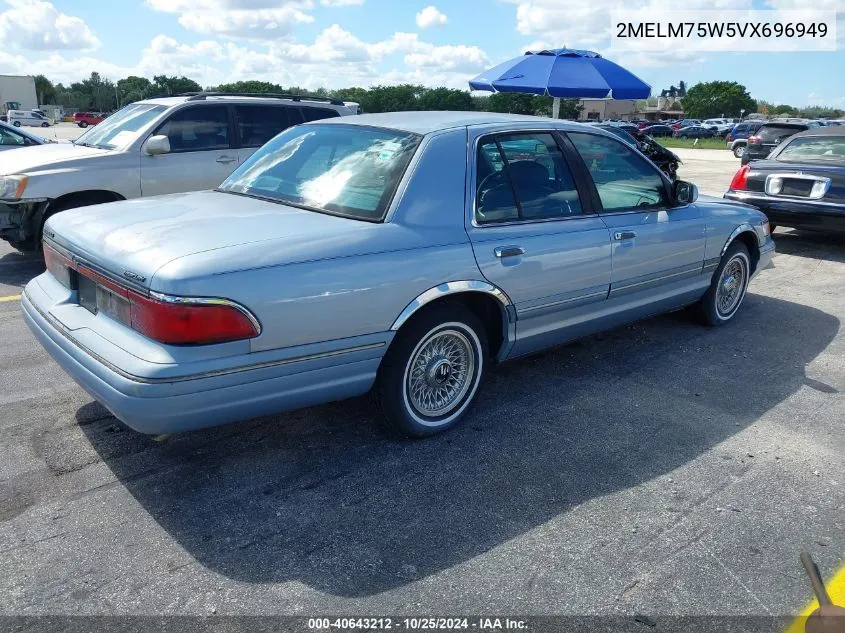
[431, 374]
[17, 123]
[739, 150]
[728, 287]
[45, 125]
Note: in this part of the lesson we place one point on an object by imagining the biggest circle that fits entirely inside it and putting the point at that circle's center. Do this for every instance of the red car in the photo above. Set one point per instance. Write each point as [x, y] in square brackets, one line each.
[84, 119]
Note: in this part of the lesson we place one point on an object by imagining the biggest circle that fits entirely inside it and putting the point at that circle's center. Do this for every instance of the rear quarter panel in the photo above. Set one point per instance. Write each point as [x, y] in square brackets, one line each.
[722, 220]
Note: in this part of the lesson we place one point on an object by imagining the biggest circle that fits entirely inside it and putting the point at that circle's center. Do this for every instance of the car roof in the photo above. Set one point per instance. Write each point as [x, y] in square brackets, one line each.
[427, 122]
[172, 101]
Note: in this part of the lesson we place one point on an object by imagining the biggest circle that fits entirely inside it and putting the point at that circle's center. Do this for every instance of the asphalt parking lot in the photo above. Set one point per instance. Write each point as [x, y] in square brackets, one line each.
[662, 468]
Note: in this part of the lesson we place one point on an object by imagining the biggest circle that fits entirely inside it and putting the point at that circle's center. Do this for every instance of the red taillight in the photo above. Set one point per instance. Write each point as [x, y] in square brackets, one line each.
[740, 179]
[180, 321]
[163, 318]
[729, 138]
[58, 265]
[753, 140]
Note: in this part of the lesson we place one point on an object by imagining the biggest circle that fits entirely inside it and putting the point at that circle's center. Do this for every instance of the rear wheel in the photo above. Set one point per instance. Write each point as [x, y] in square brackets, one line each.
[83, 124]
[431, 374]
[739, 150]
[728, 287]
[17, 123]
[45, 124]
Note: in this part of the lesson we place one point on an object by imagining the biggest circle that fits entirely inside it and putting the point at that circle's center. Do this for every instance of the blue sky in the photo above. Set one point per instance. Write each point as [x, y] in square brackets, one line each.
[338, 43]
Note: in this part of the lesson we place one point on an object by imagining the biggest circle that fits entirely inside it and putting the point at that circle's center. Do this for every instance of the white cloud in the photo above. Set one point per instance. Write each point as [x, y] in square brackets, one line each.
[244, 19]
[588, 25]
[39, 26]
[246, 23]
[335, 58]
[431, 16]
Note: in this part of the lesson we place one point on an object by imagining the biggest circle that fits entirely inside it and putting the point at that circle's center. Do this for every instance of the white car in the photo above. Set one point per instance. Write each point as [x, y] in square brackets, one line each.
[148, 148]
[27, 117]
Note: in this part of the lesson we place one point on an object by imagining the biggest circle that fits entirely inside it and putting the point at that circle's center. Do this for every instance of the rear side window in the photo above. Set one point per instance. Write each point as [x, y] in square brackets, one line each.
[197, 129]
[623, 178]
[257, 124]
[315, 114]
[523, 177]
[777, 133]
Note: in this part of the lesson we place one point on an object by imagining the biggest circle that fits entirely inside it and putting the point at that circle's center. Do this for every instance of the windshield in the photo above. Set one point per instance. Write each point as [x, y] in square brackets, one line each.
[121, 128]
[822, 149]
[347, 170]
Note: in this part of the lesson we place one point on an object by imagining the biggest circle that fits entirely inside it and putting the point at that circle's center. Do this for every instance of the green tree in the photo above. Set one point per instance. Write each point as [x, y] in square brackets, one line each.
[392, 98]
[717, 98]
[445, 99]
[132, 89]
[165, 85]
[249, 86]
[44, 90]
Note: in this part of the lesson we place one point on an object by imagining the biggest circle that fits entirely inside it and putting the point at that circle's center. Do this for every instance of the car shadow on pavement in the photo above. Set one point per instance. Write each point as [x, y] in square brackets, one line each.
[16, 269]
[812, 244]
[326, 497]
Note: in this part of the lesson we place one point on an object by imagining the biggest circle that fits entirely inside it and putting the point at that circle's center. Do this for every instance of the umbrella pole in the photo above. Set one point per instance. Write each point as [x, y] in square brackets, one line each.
[556, 108]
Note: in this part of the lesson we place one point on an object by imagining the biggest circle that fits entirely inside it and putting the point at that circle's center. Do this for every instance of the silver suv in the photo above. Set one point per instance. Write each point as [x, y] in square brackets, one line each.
[148, 148]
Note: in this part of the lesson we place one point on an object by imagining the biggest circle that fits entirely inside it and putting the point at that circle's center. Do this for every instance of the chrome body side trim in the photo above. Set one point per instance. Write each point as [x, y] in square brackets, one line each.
[742, 228]
[551, 304]
[450, 288]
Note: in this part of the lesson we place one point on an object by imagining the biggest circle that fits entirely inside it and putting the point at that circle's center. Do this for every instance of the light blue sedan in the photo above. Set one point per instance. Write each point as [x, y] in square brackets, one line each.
[402, 253]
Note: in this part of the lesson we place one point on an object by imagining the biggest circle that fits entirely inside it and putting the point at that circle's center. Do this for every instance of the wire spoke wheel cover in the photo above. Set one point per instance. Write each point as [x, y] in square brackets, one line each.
[732, 285]
[441, 370]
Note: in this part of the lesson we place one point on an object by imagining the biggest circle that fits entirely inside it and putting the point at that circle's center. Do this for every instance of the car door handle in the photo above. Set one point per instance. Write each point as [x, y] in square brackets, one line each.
[508, 251]
[226, 159]
[624, 235]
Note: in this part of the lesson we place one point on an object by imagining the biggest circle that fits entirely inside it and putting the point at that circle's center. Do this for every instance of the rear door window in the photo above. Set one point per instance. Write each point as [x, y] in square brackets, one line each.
[315, 114]
[523, 177]
[257, 124]
[197, 129]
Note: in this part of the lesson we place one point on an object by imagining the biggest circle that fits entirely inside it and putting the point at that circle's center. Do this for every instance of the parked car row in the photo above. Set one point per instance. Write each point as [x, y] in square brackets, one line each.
[402, 253]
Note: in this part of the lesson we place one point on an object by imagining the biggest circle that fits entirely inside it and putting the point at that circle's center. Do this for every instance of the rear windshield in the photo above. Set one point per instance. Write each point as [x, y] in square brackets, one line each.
[777, 133]
[830, 149]
[347, 170]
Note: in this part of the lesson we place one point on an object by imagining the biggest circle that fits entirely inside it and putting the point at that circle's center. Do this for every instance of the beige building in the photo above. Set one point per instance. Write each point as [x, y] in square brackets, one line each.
[653, 109]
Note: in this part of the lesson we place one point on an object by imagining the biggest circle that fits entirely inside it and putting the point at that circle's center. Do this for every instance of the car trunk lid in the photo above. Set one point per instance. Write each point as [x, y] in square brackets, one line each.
[133, 239]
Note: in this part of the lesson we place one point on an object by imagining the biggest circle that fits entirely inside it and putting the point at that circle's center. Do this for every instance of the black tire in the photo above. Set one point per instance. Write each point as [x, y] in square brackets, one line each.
[455, 325]
[714, 308]
[83, 124]
[45, 125]
[17, 123]
[739, 150]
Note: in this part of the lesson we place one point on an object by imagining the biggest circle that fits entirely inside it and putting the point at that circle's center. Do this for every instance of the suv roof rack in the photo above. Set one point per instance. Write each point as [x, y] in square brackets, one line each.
[201, 96]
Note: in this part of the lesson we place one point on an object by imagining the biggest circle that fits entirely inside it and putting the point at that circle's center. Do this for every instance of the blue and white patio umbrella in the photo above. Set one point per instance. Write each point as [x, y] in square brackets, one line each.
[563, 73]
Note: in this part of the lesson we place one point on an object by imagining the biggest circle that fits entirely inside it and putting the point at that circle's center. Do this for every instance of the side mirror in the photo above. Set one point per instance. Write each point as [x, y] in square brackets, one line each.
[156, 145]
[685, 192]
